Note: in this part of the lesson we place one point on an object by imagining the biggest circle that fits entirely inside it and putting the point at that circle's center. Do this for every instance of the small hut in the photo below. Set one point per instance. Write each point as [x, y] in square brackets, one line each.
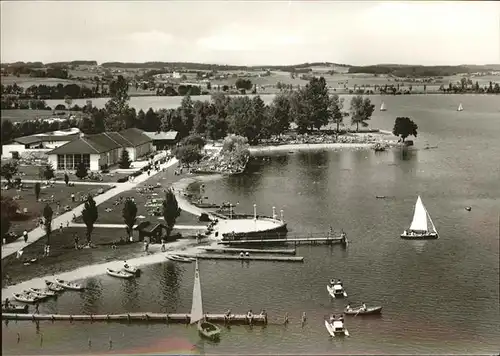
[153, 233]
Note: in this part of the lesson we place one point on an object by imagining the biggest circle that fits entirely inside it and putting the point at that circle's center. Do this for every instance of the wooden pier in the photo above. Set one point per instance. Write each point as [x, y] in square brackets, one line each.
[138, 317]
[245, 258]
[291, 251]
[287, 240]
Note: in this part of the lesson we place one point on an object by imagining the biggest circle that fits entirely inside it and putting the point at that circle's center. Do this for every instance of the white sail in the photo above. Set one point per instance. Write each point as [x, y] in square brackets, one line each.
[460, 107]
[419, 222]
[382, 107]
[197, 306]
[433, 227]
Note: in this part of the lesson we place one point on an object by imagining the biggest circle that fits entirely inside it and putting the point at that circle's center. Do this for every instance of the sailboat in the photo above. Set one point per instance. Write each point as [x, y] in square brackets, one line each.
[206, 329]
[422, 227]
[460, 107]
[382, 107]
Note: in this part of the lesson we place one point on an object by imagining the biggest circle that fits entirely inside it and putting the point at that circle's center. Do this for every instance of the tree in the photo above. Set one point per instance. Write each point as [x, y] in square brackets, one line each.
[129, 214]
[90, 215]
[171, 210]
[151, 121]
[8, 131]
[117, 107]
[188, 154]
[66, 178]
[125, 160]
[404, 127]
[195, 140]
[48, 172]
[9, 169]
[217, 127]
[47, 221]
[279, 114]
[243, 84]
[299, 110]
[187, 114]
[319, 102]
[336, 106]
[68, 101]
[361, 111]
[81, 170]
[38, 189]
[4, 224]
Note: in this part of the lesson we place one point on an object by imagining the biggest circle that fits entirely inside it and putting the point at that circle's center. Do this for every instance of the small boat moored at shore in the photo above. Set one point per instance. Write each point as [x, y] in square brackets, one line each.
[69, 285]
[336, 290]
[26, 298]
[422, 227]
[131, 269]
[363, 311]
[119, 274]
[42, 292]
[336, 328]
[53, 286]
[178, 258]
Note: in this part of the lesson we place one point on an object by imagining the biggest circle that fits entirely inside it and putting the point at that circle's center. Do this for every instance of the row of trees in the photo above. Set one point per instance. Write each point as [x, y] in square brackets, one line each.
[44, 92]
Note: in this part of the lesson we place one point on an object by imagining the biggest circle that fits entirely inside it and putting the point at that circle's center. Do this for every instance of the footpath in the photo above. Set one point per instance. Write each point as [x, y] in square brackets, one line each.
[39, 232]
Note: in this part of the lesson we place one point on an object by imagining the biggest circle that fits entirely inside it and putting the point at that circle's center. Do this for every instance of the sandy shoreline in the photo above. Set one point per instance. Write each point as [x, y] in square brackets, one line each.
[185, 246]
[308, 146]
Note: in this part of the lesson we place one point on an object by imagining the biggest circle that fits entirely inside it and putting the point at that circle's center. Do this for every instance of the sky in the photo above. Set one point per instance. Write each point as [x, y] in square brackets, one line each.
[252, 32]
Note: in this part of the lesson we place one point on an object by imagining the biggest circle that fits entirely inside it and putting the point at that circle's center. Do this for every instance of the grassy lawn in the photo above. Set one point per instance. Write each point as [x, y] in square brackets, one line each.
[63, 256]
[165, 179]
[61, 194]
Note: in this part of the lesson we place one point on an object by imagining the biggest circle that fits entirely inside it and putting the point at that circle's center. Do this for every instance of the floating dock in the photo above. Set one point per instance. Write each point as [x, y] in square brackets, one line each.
[246, 258]
[138, 317]
[291, 251]
[295, 240]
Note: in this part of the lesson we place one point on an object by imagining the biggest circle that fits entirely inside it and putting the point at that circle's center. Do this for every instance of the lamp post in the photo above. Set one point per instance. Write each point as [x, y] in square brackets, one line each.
[274, 212]
[281, 211]
[255, 211]
[230, 210]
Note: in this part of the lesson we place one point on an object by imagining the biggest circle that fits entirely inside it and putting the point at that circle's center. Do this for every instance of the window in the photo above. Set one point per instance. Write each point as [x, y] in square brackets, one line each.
[86, 160]
[60, 162]
[78, 159]
[69, 162]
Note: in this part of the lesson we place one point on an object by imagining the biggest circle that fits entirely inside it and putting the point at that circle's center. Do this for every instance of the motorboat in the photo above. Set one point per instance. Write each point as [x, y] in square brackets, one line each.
[422, 227]
[43, 292]
[361, 311]
[119, 274]
[69, 285]
[26, 298]
[178, 258]
[53, 286]
[336, 290]
[336, 328]
[205, 329]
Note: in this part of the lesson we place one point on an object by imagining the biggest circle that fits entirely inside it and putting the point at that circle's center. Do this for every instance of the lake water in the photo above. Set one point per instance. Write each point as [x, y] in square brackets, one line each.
[438, 296]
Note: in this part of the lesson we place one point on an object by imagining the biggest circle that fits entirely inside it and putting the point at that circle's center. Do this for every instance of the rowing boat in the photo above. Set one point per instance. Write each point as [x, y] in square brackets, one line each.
[360, 311]
[119, 274]
[69, 285]
[178, 258]
[15, 309]
[53, 286]
[26, 298]
[43, 292]
[131, 269]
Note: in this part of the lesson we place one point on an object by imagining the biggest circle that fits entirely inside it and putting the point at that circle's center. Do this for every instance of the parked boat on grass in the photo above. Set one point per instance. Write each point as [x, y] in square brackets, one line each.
[131, 269]
[119, 274]
[69, 285]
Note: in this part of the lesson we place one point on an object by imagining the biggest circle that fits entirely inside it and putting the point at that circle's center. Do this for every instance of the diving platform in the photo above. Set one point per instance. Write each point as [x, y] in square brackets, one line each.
[311, 240]
[291, 251]
[244, 258]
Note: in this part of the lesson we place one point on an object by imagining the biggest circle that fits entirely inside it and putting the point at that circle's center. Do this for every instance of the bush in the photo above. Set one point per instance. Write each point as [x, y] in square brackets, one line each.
[122, 179]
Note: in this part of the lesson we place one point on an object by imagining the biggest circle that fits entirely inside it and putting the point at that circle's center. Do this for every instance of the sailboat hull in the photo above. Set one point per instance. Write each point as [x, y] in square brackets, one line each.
[424, 236]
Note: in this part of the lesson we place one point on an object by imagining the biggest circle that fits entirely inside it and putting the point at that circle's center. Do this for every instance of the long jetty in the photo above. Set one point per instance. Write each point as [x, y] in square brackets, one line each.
[291, 251]
[245, 258]
[286, 240]
[138, 317]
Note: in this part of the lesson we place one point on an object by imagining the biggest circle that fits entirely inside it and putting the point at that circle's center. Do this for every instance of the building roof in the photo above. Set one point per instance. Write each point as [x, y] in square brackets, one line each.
[103, 142]
[27, 140]
[169, 135]
[135, 136]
